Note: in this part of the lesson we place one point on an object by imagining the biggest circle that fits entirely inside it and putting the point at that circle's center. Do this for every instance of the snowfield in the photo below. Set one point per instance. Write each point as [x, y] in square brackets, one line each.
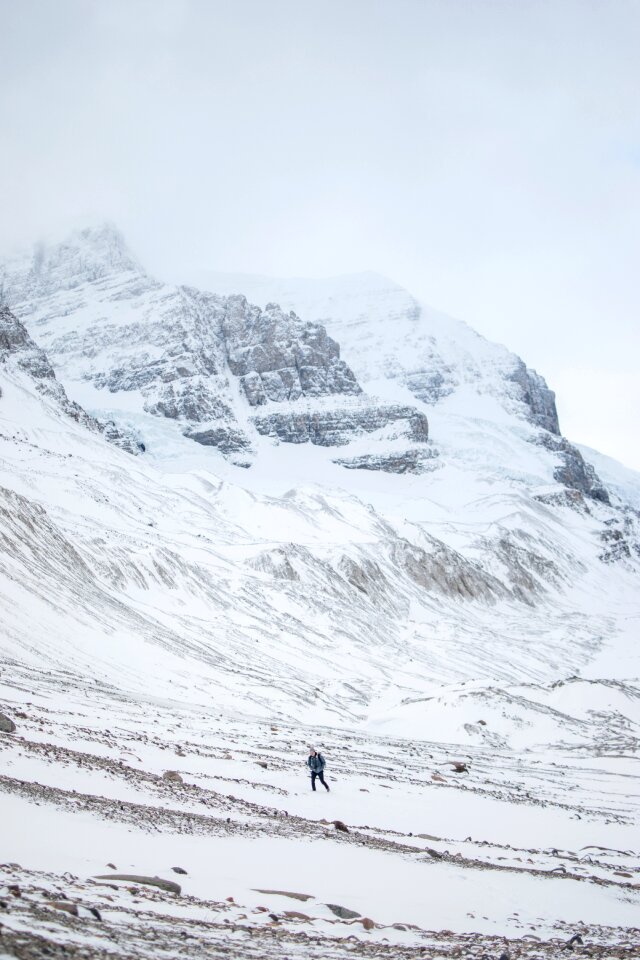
[458, 638]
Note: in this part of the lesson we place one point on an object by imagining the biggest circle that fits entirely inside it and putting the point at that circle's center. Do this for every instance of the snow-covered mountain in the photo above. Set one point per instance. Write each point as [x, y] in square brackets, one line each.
[333, 511]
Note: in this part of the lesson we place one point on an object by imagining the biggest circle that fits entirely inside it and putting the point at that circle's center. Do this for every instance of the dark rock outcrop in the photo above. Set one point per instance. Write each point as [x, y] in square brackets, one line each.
[409, 461]
[334, 428]
[574, 472]
[224, 436]
[540, 400]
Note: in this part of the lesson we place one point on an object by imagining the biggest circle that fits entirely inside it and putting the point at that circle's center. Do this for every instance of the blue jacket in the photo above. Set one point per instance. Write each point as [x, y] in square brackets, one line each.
[316, 763]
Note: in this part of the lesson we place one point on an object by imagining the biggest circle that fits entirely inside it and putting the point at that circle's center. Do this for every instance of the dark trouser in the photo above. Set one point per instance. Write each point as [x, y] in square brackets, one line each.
[320, 776]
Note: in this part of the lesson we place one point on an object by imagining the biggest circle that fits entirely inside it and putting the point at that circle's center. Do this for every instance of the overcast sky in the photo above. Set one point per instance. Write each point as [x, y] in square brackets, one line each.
[485, 154]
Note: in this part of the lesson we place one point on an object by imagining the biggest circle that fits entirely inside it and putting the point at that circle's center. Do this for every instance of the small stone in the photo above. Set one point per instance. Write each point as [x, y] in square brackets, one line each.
[295, 915]
[339, 825]
[179, 870]
[173, 776]
[433, 853]
[575, 939]
[112, 865]
[63, 905]
[261, 763]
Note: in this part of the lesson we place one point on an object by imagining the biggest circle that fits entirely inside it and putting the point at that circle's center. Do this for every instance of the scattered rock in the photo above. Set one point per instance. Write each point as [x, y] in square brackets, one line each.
[112, 865]
[167, 885]
[286, 893]
[63, 905]
[14, 890]
[575, 939]
[261, 763]
[296, 915]
[179, 870]
[433, 853]
[339, 825]
[173, 776]
[459, 766]
[342, 912]
[6, 725]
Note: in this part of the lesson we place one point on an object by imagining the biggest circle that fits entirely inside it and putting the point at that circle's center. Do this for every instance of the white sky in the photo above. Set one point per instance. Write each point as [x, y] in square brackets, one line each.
[485, 154]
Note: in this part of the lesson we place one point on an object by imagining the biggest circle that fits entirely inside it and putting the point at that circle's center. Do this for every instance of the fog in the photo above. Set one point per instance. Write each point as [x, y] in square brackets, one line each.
[484, 154]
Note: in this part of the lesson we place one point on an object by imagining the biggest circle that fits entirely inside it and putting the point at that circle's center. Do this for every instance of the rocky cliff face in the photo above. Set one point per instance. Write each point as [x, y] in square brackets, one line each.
[202, 360]
[538, 398]
[278, 357]
[573, 471]
[17, 349]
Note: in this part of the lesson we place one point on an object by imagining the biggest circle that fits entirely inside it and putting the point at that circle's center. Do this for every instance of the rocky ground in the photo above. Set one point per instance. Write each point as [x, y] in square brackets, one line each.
[139, 830]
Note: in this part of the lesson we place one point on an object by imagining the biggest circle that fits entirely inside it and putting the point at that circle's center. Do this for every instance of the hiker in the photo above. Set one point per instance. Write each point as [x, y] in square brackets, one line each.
[316, 764]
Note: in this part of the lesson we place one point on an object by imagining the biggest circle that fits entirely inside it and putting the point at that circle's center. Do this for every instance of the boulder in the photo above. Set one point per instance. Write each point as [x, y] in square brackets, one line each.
[167, 885]
[173, 776]
[343, 912]
[6, 725]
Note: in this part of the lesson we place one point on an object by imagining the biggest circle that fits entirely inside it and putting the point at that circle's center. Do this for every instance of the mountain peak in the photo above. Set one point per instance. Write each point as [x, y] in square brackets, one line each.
[87, 255]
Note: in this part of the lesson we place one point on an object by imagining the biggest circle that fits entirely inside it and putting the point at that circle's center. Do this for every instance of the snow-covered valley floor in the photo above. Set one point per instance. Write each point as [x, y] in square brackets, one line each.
[519, 853]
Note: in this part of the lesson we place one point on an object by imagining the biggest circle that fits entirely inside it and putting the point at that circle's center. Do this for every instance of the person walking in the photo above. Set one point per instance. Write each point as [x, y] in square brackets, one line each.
[316, 764]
